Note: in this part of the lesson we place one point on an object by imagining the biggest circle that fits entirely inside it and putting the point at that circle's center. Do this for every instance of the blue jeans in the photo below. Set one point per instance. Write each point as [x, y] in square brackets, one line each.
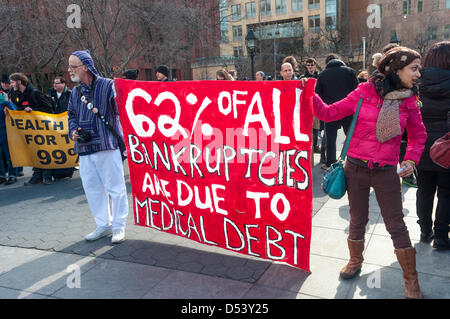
[5, 162]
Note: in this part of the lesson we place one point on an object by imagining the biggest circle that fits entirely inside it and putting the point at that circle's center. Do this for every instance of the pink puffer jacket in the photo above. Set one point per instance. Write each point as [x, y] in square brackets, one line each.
[364, 143]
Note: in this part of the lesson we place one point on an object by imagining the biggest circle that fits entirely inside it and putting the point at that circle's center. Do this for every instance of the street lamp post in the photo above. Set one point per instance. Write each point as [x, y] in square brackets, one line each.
[395, 39]
[364, 52]
[351, 58]
[251, 42]
[277, 33]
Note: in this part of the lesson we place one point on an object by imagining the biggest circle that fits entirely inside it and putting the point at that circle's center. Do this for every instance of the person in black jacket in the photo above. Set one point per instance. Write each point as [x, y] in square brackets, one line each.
[334, 84]
[318, 125]
[28, 98]
[311, 69]
[435, 97]
[60, 94]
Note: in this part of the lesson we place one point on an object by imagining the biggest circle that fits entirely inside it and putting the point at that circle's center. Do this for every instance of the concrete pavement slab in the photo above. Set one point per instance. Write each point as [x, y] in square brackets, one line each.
[111, 279]
[44, 273]
[339, 218]
[381, 252]
[184, 285]
[8, 293]
[329, 242]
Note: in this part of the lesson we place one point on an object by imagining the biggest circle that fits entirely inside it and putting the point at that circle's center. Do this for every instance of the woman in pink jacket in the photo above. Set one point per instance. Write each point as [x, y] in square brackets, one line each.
[389, 106]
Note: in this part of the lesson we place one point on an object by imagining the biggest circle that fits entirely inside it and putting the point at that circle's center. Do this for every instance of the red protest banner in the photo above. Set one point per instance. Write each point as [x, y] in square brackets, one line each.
[224, 163]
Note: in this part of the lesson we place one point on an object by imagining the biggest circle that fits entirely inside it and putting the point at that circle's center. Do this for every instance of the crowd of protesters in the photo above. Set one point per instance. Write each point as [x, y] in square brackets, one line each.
[405, 109]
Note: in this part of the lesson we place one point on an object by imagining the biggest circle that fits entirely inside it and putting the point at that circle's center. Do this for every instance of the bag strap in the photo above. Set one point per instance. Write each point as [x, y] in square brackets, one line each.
[98, 115]
[350, 131]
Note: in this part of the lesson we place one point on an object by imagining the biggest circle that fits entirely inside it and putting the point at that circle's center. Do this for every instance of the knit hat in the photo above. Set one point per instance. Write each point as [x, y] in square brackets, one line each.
[396, 59]
[163, 69]
[262, 73]
[131, 74]
[5, 78]
[86, 58]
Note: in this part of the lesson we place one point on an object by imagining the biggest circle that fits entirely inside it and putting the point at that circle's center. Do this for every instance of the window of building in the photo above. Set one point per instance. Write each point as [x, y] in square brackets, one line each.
[265, 7]
[447, 4]
[148, 74]
[407, 7]
[447, 31]
[313, 4]
[432, 33]
[223, 12]
[330, 14]
[420, 6]
[314, 23]
[297, 5]
[280, 6]
[250, 9]
[292, 29]
[237, 33]
[238, 51]
[236, 12]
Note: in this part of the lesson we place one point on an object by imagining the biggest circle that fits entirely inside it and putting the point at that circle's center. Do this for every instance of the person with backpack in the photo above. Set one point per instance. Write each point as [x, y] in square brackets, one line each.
[28, 99]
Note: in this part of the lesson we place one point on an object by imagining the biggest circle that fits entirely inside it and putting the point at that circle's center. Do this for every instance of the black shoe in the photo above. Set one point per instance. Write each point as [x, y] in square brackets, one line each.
[47, 181]
[441, 243]
[426, 237]
[11, 180]
[20, 174]
[33, 181]
[2, 180]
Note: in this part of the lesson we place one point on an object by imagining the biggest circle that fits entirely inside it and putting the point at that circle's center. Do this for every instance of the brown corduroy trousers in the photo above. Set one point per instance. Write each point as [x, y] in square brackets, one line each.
[386, 184]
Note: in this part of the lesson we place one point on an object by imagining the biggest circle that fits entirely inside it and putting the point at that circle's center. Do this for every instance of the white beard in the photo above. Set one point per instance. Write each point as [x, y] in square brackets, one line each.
[75, 79]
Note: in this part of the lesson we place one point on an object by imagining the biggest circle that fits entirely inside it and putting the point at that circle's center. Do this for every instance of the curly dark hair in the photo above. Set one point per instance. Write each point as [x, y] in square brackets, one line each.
[386, 79]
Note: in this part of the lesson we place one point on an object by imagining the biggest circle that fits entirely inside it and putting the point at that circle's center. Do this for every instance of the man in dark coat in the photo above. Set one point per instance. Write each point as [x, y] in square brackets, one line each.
[318, 125]
[60, 94]
[28, 98]
[434, 180]
[334, 84]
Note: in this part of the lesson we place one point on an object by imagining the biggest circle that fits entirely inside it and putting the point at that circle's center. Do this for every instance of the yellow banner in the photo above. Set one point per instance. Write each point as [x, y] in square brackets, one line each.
[40, 140]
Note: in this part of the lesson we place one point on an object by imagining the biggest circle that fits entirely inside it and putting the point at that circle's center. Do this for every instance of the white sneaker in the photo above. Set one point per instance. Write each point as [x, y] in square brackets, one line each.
[98, 233]
[118, 236]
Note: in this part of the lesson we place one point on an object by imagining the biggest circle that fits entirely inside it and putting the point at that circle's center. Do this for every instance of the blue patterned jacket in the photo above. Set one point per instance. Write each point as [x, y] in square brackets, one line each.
[101, 94]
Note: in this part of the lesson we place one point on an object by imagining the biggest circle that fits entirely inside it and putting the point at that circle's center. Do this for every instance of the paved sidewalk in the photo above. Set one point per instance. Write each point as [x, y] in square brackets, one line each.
[43, 250]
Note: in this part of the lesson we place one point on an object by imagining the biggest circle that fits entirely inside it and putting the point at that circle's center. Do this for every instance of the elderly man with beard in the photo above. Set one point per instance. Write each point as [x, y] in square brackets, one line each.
[101, 166]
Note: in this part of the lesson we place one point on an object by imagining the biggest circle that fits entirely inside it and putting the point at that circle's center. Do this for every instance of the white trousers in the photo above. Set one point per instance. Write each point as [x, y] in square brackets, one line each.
[102, 178]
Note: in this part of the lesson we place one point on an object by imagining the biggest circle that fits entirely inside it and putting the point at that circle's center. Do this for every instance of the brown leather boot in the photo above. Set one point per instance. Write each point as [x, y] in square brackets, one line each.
[407, 260]
[356, 248]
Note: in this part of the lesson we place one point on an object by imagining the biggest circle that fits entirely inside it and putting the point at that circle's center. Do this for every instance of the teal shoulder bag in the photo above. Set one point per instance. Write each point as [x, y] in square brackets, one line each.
[334, 179]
